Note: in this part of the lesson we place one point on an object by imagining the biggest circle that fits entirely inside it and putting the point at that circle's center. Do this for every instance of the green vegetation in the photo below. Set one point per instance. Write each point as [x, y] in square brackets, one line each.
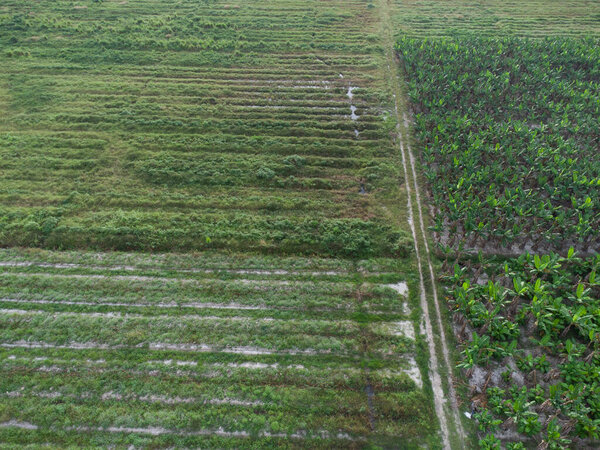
[254, 138]
[509, 139]
[508, 132]
[101, 349]
[212, 125]
[209, 212]
[531, 18]
[539, 314]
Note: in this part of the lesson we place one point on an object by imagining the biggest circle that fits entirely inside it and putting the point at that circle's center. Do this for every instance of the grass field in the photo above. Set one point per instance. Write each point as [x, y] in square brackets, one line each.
[250, 126]
[532, 18]
[170, 349]
[257, 139]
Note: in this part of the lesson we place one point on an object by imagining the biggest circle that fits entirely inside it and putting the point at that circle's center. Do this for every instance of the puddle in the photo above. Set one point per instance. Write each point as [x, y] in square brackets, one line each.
[406, 121]
[412, 371]
[403, 328]
[17, 424]
[370, 395]
[259, 365]
[356, 132]
[401, 288]
[254, 365]
[353, 115]
[349, 93]
[170, 362]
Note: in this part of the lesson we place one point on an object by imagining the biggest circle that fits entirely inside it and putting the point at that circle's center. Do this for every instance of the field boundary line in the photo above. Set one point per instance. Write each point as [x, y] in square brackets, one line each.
[422, 253]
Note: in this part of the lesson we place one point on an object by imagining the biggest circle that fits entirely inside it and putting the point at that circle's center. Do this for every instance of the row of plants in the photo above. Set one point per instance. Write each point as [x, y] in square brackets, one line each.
[507, 138]
[55, 59]
[78, 143]
[537, 316]
[188, 262]
[300, 382]
[126, 331]
[123, 230]
[210, 264]
[150, 293]
[245, 29]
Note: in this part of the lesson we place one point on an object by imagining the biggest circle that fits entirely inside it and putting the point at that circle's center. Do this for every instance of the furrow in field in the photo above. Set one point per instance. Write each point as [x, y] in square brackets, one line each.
[110, 395]
[242, 350]
[191, 270]
[156, 431]
[205, 376]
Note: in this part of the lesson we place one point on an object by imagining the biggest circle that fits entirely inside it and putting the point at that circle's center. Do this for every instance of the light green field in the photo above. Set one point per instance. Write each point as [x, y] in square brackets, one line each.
[532, 18]
[144, 126]
[163, 350]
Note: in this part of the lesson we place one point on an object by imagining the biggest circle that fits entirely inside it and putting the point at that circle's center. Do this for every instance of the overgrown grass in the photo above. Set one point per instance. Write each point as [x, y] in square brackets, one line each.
[209, 125]
[222, 131]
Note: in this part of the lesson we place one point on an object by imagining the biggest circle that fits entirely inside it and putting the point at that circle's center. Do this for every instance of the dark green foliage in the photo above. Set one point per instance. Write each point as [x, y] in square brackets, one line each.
[509, 135]
[551, 310]
[509, 130]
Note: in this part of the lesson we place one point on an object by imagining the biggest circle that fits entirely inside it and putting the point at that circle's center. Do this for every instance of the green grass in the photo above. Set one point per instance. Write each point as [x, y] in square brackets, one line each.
[211, 125]
[201, 268]
[94, 342]
[221, 131]
[535, 19]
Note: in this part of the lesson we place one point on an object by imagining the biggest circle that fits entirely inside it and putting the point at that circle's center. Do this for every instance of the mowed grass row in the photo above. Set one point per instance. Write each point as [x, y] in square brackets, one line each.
[137, 126]
[256, 292]
[213, 286]
[202, 262]
[247, 26]
[126, 348]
